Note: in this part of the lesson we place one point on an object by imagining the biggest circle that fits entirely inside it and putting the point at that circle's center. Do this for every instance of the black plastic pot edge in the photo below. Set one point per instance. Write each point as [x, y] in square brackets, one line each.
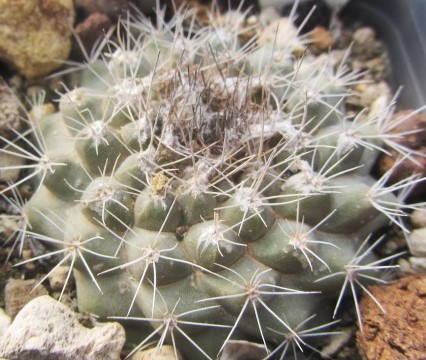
[400, 24]
[402, 27]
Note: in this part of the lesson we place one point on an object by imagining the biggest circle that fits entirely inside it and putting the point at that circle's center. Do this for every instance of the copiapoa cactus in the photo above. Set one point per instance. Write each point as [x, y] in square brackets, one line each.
[205, 185]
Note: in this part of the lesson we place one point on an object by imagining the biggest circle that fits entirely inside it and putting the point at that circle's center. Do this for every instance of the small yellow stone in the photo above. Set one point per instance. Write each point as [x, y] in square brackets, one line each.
[159, 183]
[35, 35]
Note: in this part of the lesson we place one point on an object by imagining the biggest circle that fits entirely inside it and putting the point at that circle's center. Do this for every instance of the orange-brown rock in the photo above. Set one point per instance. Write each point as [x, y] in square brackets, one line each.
[415, 139]
[321, 40]
[400, 334]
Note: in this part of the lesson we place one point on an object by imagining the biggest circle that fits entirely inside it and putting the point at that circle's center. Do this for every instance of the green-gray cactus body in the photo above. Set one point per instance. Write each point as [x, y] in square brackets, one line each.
[201, 190]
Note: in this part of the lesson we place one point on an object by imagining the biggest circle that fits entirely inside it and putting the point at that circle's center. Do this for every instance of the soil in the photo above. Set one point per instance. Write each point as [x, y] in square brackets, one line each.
[400, 333]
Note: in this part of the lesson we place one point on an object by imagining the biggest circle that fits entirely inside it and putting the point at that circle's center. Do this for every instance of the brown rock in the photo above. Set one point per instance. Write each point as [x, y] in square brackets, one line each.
[35, 35]
[408, 167]
[321, 40]
[89, 31]
[112, 8]
[415, 141]
[399, 334]
[18, 293]
[412, 122]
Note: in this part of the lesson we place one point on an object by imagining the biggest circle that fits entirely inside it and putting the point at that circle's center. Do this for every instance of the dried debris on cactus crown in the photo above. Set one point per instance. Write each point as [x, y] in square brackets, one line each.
[205, 188]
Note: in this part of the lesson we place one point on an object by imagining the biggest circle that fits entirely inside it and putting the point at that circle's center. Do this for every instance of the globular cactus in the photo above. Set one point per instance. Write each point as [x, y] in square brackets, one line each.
[204, 184]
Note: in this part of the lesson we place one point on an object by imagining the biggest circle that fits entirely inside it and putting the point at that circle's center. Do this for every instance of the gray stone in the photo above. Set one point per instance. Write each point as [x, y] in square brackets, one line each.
[166, 352]
[58, 278]
[418, 264]
[45, 329]
[7, 162]
[418, 218]
[417, 242]
[5, 321]
[243, 350]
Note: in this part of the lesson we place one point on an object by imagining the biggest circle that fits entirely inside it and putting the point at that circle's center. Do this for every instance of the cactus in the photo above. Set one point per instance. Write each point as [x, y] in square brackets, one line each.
[205, 188]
